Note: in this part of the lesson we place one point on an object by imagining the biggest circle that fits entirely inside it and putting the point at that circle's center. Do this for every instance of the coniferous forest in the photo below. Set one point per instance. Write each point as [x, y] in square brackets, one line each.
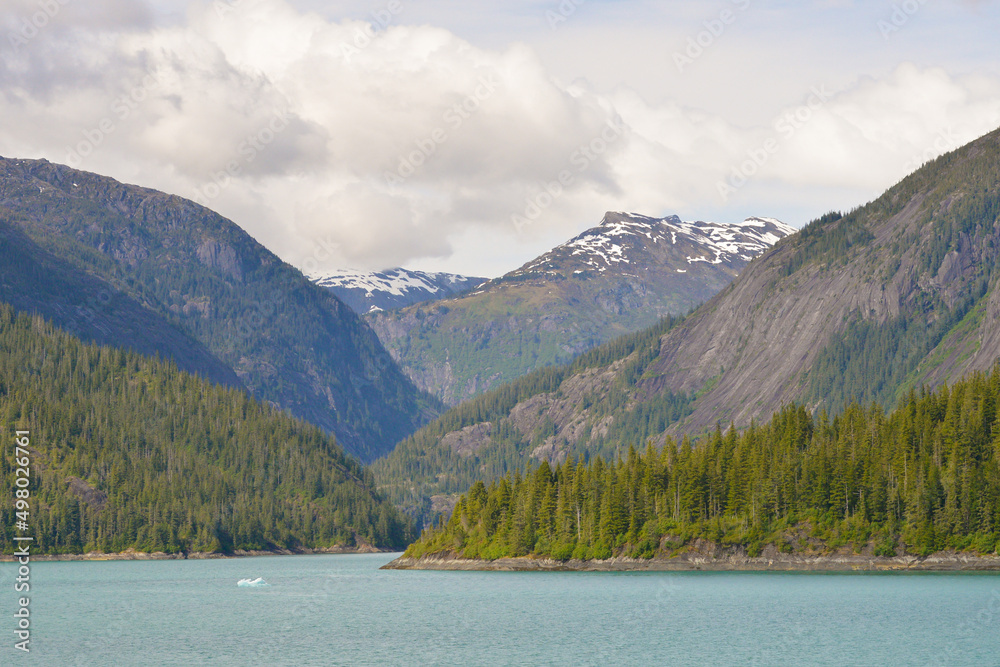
[129, 452]
[924, 478]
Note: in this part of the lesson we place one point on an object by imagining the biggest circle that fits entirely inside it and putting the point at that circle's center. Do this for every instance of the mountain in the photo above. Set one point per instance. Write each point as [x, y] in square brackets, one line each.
[899, 293]
[372, 291]
[618, 277]
[128, 266]
[130, 452]
[896, 294]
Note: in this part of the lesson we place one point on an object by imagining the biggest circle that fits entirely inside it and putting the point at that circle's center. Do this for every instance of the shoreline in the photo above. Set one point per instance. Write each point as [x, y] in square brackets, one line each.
[944, 561]
[132, 554]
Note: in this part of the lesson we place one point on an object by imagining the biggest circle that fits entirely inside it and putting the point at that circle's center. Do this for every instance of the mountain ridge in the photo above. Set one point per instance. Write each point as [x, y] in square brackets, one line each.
[921, 482]
[715, 238]
[92, 310]
[130, 453]
[618, 277]
[287, 341]
[915, 261]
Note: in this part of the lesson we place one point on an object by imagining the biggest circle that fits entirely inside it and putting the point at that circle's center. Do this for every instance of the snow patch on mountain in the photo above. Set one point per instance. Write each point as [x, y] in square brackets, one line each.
[396, 281]
[609, 244]
[371, 291]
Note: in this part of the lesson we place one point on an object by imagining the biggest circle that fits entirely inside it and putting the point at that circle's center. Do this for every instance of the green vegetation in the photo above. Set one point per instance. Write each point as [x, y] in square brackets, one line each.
[828, 237]
[519, 325]
[963, 207]
[36, 280]
[922, 479]
[869, 362]
[130, 452]
[956, 211]
[421, 466]
[914, 303]
[475, 337]
[959, 203]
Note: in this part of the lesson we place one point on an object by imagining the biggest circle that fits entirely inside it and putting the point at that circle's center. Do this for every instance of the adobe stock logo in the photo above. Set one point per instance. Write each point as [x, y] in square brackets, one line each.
[34, 24]
[381, 19]
[454, 117]
[786, 126]
[715, 27]
[562, 13]
[121, 109]
[901, 15]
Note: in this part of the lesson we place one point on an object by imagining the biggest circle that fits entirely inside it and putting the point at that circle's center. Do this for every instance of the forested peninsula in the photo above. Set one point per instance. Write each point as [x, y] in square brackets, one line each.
[917, 488]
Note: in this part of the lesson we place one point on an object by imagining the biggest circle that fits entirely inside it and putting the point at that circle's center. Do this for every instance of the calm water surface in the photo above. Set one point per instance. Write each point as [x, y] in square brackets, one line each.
[342, 610]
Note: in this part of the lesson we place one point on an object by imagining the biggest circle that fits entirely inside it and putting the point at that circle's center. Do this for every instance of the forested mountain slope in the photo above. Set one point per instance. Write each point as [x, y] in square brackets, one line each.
[130, 452]
[193, 272]
[896, 294]
[580, 409]
[34, 280]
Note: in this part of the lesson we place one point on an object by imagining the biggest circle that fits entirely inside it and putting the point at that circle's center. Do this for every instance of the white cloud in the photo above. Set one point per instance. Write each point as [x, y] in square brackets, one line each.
[858, 140]
[409, 144]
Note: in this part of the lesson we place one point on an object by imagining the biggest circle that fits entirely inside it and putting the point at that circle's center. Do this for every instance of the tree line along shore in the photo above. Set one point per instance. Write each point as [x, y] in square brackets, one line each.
[921, 480]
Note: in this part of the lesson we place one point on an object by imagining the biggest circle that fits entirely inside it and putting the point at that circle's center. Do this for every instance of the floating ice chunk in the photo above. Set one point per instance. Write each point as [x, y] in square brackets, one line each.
[252, 583]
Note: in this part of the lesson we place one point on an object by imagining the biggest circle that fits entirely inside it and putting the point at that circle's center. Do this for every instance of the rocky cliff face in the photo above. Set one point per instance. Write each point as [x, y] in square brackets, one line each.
[35, 280]
[914, 271]
[128, 266]
[618, 277]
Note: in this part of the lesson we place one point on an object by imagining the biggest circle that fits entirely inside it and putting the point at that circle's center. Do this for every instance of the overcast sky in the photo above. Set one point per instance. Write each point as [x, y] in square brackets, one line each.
[470, 137]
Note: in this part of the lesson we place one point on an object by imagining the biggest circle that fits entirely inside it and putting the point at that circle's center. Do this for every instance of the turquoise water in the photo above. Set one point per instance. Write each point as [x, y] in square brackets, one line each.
[342, 610]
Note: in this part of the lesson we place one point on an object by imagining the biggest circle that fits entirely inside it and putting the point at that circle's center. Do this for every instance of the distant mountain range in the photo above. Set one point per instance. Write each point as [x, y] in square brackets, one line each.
[628, 239]
[372, 291]
[895, 295]
[131, 267]
[618, 277]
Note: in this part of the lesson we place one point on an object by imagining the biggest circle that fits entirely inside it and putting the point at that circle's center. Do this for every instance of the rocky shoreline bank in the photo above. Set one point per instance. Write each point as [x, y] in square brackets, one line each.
[945, 561]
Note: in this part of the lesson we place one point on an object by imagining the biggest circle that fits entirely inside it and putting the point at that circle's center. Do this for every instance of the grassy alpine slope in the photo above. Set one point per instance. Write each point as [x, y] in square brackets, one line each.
[619, 277]
[129, 452]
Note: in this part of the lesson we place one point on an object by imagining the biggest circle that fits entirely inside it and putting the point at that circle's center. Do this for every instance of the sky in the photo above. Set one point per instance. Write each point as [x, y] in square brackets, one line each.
[471, 137]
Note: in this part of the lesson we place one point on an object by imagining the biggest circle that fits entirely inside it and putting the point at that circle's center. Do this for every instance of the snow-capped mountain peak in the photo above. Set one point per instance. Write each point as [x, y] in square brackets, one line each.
[623, 243]
[370, 291]
[622, 238]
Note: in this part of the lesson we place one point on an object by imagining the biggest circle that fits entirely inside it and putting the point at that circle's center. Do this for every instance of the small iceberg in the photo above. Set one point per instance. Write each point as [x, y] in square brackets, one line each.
[252, 583]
